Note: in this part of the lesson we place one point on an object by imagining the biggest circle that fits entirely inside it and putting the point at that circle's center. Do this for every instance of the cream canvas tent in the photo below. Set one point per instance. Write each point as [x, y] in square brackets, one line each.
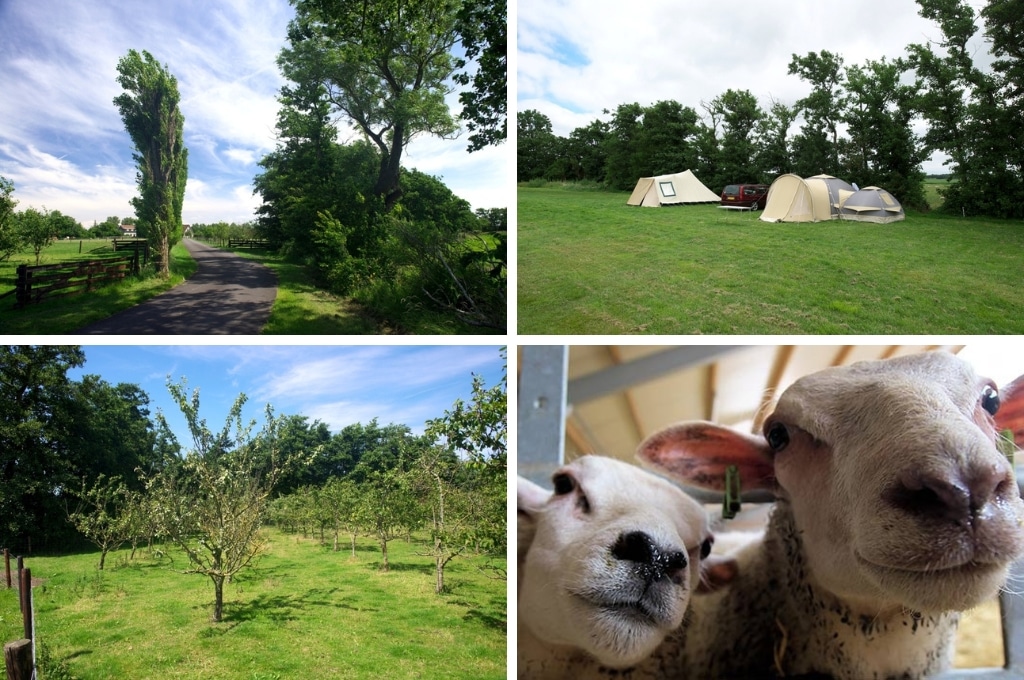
[870, 204]
[794, 199]
[682, 187]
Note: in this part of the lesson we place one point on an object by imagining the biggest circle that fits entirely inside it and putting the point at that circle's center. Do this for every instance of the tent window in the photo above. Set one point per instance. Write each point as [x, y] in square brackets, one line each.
[667, 189]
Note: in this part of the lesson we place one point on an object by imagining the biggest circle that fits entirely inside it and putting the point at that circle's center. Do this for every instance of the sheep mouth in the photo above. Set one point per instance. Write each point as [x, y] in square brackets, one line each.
[964, 569]
[654, 610]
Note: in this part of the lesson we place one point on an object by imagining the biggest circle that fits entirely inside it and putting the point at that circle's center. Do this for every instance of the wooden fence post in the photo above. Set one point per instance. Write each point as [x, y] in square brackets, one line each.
[7, 566]
[26, 601]
[23, 287]
[18, 659]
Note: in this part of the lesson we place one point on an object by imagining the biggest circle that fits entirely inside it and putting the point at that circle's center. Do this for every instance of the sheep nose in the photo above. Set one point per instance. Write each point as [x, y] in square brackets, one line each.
[651, 562]
[958, 496]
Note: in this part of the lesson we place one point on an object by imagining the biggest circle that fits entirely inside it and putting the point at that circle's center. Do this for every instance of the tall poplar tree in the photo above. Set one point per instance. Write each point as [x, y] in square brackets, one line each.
[149, 109]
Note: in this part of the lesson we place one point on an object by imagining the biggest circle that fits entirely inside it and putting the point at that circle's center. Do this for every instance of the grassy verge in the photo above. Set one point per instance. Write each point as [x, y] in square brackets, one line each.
[302, 308]
[304, 612]
[69, 314]
[588, 263]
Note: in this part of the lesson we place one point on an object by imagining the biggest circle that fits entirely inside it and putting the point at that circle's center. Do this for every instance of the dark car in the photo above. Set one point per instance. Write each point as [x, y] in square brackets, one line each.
[751, 196]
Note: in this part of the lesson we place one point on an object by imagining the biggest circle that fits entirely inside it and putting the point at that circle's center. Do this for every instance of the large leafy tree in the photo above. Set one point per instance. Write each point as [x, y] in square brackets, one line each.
[882, 149]
[822, 109]
[536, 145]
[153, 120]
[482, 26]
[384, 65]
[34, 392]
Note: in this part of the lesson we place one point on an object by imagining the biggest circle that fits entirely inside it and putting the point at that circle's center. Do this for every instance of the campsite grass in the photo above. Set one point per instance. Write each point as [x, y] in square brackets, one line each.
[590, 264]
[303, 612]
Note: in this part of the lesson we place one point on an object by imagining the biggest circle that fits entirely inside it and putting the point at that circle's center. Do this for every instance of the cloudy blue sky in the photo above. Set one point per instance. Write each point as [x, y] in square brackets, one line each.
[578, 57]
[336, 385]
[62, 141]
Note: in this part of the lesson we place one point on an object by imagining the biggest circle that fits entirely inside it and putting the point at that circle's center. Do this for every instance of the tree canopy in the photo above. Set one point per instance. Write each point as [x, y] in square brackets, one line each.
[383, 65]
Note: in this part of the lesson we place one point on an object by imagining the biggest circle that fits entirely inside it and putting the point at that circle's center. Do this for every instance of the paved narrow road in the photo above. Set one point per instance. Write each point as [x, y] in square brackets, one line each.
[227, 295]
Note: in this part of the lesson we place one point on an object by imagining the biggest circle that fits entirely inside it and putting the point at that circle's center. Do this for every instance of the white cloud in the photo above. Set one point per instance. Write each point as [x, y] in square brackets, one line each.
[578, 58]
[58, 79]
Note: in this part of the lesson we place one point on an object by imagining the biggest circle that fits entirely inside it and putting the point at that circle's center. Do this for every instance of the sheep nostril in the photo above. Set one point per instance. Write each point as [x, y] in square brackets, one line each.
[635, 546]
[959, 496]
[652, 562]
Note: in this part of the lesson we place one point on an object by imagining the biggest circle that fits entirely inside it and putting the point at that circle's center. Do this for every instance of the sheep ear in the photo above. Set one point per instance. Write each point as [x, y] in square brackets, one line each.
[697, 454]
[1010, 415]
[529, 499]
[717, 572]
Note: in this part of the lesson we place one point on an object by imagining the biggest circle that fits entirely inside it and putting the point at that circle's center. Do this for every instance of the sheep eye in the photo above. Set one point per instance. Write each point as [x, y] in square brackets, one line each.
[990, 399]
[777, 436]
[705, 547]
[563, 484]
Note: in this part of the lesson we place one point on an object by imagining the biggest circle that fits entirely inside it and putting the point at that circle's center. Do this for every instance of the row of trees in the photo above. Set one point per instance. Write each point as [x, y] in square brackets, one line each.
[855, 123]
[88, 452]
[31, 228]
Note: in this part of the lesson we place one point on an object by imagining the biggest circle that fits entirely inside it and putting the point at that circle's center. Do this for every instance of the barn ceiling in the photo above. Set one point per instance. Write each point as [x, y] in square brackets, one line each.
[619, 394]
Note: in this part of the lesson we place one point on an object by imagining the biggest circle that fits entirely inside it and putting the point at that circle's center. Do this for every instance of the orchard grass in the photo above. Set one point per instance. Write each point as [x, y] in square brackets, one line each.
[66, 315]
[303, 612]
[590, 264]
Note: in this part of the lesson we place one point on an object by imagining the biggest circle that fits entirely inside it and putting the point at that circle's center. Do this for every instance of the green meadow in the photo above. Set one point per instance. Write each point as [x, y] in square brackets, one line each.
[305, 611]
[590, 264]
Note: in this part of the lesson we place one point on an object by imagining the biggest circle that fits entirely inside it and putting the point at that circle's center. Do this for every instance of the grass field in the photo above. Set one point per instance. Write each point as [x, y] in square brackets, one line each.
[66, 315]
[590, 264]
[304, 612]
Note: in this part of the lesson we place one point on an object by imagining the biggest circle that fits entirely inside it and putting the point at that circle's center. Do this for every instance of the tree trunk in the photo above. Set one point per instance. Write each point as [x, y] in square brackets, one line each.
[353, 545]
[218, 598]
[384, 551]
[390, 167]
[103, 558]
[439, 567]
[165, 257]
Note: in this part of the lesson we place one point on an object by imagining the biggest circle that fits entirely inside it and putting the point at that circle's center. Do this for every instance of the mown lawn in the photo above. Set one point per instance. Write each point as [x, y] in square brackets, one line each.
[304, 612]
[590, 264]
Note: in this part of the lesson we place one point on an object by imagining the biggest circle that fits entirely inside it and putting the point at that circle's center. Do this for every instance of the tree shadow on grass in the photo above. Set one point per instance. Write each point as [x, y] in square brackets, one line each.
[487, 618]
[402, 567]
[280, 608]
[494, 615]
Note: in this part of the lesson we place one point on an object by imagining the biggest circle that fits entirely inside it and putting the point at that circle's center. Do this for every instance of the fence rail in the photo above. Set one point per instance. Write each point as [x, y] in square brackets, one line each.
[248, 243]
[36, 283]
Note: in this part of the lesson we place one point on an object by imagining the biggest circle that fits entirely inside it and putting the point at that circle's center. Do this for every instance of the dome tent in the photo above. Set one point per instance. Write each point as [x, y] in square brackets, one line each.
[871, 204]
[682, 187]
[794, 199]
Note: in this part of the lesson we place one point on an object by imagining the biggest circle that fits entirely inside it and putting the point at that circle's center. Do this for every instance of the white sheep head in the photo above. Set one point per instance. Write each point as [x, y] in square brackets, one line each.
[607, 562]
[892, 472]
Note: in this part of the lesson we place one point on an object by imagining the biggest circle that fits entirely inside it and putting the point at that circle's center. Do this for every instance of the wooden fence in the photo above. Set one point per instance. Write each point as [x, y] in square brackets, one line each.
[19, 656]
[34, 284]
[139, 246]
[248, 243]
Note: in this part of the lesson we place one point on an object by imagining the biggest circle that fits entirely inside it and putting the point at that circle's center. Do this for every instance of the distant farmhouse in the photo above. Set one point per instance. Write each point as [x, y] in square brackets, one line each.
[128, 230]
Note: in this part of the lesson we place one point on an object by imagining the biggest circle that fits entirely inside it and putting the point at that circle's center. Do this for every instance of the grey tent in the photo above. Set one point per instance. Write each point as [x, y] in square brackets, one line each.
[870, 204]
